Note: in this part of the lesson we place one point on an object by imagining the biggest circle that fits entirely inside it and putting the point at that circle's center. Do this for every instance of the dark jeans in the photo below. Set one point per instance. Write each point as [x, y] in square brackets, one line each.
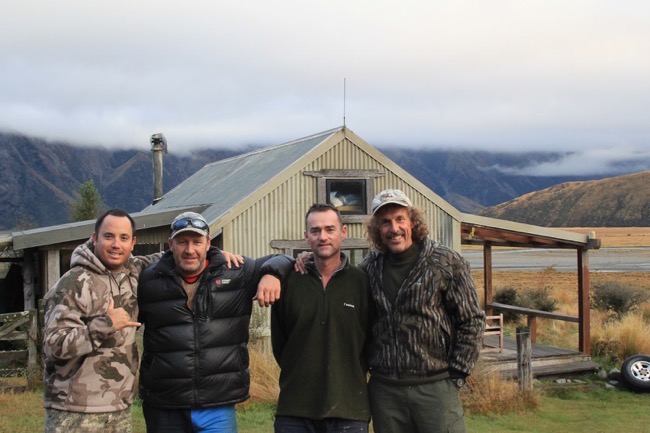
[426, 408]
[292, 424]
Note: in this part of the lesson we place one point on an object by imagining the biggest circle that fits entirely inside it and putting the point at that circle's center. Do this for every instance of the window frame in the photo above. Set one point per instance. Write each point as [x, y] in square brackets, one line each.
[368, 176]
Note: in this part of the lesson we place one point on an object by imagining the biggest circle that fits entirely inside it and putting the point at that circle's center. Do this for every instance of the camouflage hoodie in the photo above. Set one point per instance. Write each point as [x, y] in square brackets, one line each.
[89, 366]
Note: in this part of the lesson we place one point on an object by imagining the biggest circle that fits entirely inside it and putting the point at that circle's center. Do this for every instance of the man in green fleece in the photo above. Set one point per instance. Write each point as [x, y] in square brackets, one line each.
[319, 329]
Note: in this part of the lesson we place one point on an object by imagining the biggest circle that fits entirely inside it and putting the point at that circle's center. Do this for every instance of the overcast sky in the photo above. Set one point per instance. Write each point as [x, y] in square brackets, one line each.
[519, 75]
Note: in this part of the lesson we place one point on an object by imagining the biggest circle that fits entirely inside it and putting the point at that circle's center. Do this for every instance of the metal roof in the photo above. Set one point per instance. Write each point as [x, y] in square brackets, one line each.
[82, 230]
[480, 230]
[222, 184]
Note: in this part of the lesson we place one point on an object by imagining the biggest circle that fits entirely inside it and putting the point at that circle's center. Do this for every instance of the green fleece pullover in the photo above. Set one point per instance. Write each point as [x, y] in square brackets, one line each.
[319, 337]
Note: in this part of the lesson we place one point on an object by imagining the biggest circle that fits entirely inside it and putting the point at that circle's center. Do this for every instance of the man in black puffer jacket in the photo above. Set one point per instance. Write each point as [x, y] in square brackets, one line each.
[196, 313]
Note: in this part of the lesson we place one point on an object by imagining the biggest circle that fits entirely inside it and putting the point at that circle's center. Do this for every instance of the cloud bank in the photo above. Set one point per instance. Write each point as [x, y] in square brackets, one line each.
[497, 76]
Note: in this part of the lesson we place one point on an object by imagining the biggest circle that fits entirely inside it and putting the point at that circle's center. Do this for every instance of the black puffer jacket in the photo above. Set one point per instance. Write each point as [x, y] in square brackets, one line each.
[196, 359]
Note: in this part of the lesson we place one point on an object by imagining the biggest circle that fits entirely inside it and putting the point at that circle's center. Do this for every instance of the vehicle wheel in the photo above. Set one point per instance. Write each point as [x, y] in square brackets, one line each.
[636, 372]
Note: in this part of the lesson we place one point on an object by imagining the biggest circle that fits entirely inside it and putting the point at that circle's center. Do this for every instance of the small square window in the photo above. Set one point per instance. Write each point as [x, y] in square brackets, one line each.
[347, 195]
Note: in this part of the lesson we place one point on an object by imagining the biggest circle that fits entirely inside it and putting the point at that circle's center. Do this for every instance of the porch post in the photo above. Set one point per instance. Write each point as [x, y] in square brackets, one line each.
[584, 334]
[487, 277]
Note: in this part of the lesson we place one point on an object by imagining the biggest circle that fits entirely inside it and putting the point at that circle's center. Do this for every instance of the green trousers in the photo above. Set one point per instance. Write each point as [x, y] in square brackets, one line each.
[424, 408]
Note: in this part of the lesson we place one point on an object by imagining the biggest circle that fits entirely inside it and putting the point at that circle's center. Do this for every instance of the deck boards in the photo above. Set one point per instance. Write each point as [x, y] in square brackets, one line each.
[546, 360]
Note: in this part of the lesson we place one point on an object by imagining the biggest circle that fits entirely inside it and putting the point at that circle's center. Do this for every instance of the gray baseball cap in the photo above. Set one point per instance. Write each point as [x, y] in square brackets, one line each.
[389, 196]
[189, 222]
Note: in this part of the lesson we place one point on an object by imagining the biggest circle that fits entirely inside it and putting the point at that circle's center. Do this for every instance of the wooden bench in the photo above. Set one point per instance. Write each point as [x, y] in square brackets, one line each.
[493, 326]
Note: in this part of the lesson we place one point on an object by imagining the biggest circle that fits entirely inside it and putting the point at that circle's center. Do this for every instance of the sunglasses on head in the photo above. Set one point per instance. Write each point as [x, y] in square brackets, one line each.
[189, 222]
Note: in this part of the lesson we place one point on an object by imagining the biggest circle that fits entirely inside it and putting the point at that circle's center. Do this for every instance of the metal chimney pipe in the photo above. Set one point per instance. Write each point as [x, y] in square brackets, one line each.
[158, 147]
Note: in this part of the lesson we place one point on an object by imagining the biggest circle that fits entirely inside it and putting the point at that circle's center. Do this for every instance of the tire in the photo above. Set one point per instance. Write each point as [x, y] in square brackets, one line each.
[636, 372]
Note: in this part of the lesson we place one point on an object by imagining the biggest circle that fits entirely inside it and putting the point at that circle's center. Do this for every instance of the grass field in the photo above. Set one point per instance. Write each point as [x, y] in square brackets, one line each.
[591, 408]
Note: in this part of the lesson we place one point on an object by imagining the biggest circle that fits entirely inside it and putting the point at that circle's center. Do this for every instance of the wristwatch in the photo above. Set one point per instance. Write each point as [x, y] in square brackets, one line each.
[458, 381]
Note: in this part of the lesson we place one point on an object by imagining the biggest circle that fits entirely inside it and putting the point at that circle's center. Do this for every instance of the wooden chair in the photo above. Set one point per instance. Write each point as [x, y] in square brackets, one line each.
[493, 326]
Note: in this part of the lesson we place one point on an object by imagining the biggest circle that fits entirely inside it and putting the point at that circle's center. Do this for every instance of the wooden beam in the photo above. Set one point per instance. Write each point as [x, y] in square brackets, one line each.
[29, 294]
[53, 268]
[533, 312]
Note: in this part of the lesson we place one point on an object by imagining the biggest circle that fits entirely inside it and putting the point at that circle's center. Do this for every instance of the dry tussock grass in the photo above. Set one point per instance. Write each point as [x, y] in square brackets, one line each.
[619, 339]
[557, 333]
[487, 392]
[644, 311]
[20, 403]
[265, 374]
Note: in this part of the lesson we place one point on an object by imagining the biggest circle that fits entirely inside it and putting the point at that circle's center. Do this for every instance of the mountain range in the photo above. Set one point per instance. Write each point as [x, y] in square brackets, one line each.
[622, 201]
[39, 180]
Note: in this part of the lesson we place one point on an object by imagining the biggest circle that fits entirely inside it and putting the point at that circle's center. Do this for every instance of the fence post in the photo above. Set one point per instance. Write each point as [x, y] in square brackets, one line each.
[524, 359]
[34, 372]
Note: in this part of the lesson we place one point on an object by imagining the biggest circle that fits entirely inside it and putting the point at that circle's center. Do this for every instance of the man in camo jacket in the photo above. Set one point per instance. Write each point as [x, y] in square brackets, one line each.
[90, 325]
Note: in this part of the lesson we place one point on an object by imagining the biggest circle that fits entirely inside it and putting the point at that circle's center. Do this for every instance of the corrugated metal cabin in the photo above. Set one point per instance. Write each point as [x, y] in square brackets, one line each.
[256, 202]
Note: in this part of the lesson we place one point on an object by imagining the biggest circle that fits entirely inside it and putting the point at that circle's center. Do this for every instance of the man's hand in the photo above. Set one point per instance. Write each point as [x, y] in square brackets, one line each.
[268, 290]
[232, 259]
[119, 316]
[299, 266]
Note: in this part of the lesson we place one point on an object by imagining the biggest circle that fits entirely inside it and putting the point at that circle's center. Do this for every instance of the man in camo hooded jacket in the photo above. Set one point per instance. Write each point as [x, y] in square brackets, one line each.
[90, 325]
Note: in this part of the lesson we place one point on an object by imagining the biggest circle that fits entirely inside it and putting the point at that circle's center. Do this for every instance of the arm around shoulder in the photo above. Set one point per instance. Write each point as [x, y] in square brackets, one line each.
[279, 265]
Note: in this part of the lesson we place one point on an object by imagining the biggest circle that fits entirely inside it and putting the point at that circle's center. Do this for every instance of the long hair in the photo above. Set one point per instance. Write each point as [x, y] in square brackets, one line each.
[419, 227]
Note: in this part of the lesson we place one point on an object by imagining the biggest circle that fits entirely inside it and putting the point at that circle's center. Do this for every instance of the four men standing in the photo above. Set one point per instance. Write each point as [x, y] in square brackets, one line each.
[412, 318]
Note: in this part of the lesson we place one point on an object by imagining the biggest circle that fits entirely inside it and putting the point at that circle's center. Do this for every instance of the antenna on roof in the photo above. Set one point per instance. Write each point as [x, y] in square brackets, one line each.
[344, 102]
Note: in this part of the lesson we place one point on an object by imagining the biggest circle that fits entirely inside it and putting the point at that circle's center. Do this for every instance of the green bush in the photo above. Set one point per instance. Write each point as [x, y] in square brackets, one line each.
[508, 296]
[537, 299]
[617, 298]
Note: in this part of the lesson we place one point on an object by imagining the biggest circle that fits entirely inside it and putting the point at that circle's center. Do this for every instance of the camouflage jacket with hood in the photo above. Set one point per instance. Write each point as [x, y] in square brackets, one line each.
[89, 366]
